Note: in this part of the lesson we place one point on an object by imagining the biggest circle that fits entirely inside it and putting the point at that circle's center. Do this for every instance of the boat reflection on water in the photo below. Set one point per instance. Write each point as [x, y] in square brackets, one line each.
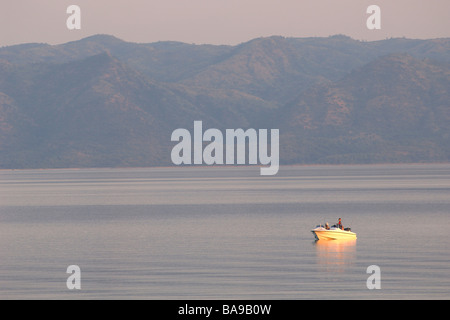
[335, 255]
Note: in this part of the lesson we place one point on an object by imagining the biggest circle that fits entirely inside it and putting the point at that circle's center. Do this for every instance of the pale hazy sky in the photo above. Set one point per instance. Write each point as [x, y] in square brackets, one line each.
[219, 21]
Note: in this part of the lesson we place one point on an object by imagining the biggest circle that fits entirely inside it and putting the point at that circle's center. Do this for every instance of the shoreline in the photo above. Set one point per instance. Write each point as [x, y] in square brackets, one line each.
[209, 167]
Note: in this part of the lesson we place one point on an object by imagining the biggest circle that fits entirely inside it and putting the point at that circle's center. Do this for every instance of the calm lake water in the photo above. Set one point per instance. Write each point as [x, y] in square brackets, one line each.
[225, 233]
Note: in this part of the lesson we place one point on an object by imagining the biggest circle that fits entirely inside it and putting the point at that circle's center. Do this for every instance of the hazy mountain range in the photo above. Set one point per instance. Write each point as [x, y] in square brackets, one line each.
[104, 102]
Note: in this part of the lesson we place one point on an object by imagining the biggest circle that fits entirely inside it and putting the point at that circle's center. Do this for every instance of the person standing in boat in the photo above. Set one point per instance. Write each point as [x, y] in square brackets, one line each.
[339, 225]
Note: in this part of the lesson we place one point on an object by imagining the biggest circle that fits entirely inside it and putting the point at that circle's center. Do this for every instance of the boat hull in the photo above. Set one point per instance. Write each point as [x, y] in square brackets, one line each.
[333, 234]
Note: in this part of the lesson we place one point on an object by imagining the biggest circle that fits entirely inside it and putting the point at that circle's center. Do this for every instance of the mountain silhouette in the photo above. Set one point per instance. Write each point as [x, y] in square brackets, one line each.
[105, 102]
